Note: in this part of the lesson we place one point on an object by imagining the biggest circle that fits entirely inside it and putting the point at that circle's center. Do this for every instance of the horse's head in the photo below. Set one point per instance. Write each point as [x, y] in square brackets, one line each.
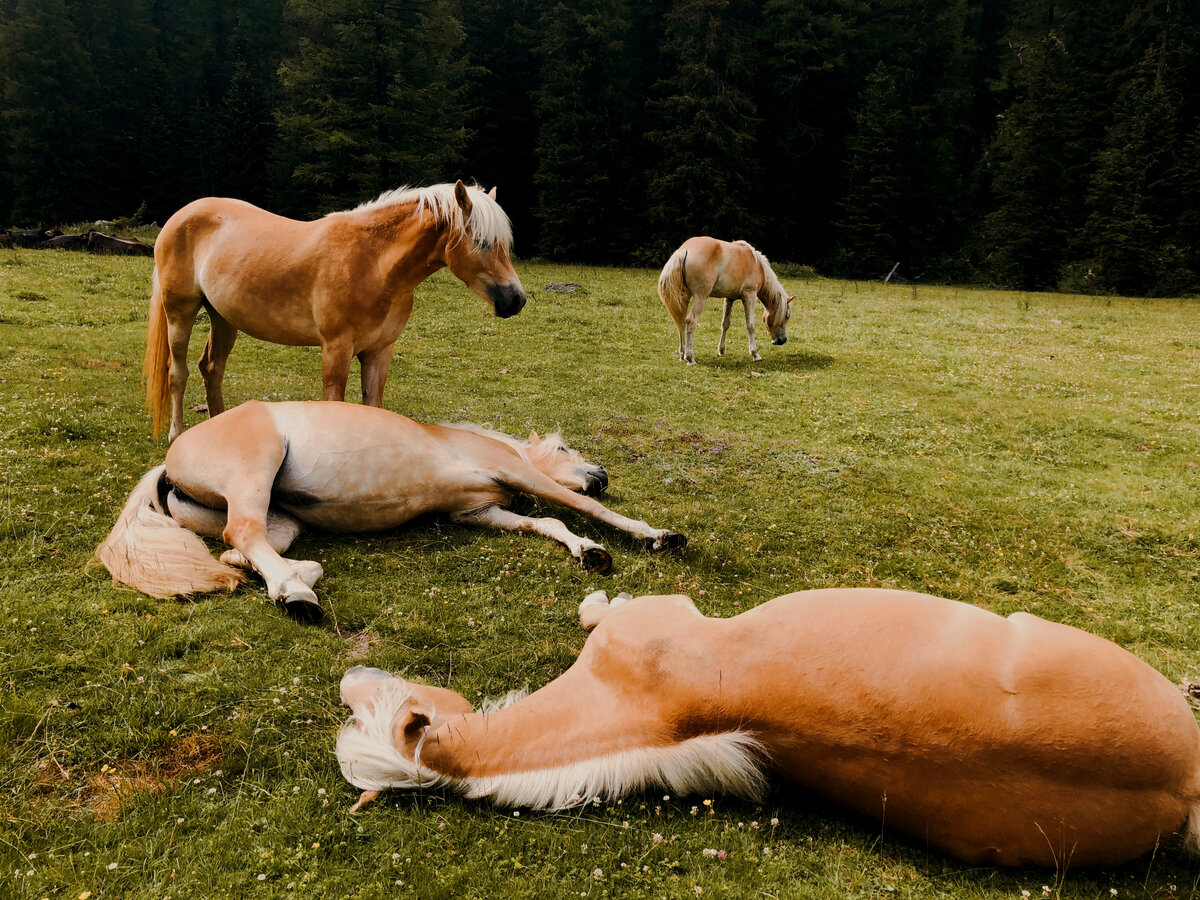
[553, 457]
[776, 317]
[380, 746]
[479, 256]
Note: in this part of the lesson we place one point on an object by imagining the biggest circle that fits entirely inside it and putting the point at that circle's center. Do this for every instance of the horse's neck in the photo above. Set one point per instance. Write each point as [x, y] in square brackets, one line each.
[569, 720]
[410, 247]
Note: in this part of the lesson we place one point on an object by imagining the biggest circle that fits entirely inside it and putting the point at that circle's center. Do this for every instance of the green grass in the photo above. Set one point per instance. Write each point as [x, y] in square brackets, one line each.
[1017, 451]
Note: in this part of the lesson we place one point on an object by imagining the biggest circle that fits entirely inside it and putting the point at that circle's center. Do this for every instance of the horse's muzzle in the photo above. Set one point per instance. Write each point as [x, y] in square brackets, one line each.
[779, 340]
[595, 481]
[507, 301]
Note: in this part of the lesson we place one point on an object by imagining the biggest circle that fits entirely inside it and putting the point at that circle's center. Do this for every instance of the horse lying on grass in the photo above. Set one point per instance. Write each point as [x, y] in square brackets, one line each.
[252, 475]
[705, 267]
[999, 741]
[343, 283]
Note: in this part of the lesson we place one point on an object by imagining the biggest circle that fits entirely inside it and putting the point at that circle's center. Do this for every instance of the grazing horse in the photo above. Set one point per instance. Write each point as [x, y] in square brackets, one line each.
[705, 267]
[1002, 741]
[343, 283]
[252, 475]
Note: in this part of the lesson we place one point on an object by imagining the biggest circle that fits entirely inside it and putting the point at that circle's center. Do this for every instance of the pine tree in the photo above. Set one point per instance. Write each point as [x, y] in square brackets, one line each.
[872, 213]
[1037, 173]
[707, 178]
[588, 109]
[373, 97]
[1129, 232]
[48, 126]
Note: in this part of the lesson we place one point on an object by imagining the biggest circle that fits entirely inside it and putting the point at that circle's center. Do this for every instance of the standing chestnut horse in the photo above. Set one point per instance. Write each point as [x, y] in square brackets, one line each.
[705, 267]
[343, 283]
[1001, 741]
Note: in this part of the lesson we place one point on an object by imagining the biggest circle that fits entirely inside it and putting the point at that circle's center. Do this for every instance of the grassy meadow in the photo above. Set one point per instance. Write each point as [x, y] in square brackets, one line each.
[1017, 451]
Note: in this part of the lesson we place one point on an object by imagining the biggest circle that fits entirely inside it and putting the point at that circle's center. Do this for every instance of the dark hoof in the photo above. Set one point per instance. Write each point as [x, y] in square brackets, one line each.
[595, 559]
[302, 609]
[596, 482]
[672, 540]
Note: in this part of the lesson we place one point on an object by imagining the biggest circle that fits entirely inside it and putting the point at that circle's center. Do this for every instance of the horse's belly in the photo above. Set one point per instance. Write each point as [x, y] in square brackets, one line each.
[356, 515]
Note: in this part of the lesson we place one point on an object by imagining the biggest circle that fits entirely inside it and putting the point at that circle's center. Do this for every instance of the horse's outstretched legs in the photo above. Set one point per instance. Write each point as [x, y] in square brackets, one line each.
[181, 313]
[375, 364]
[689, 322]
[725, 325]
[528, 480]
[750, 301]
[221, 336]
[591, 555]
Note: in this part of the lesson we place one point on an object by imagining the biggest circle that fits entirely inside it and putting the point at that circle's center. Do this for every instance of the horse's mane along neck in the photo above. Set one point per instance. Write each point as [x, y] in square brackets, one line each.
[770, 280]
[487, 223]
[534, 454]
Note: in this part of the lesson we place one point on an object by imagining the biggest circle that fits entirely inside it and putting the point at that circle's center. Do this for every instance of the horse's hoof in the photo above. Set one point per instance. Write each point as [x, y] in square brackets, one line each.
[672, 540]
[595, 559]
[303, 606]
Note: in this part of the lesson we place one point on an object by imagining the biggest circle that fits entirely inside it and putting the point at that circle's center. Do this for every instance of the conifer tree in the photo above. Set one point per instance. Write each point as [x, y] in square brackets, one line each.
[707, 178]
[588, 110]
[1135, 244]
[1037, 173]
[373, 97]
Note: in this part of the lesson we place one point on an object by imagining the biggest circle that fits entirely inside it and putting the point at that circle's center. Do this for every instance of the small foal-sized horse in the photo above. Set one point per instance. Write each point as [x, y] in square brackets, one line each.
[1003, 741]
[343, 283]
[705, 267]
[252, 475]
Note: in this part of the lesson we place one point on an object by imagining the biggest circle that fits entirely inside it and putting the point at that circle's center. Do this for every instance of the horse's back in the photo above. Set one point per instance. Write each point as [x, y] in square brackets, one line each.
[719, 268]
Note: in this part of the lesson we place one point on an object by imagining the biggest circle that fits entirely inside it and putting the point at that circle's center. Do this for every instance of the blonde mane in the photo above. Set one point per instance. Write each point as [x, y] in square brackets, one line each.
[549, 445]
[488, 224]
[771, 281]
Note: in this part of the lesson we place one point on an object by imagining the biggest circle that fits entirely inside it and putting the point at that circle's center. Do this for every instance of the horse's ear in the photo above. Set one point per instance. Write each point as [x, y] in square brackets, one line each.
[409, 726]
[492, 192]
[533, 436]
[463, 198]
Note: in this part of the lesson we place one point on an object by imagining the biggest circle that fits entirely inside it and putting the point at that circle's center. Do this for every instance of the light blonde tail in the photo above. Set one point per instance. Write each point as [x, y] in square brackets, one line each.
[672, 284]
[151, 552]
[156, 366]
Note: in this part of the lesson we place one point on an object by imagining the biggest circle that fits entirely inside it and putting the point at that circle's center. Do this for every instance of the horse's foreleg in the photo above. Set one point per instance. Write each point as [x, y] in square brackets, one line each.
[221, 336]
[750, 301]
[335, 369]
[689, 322]
[531, 481]
[375, 365]
[724, 325]
[591, 555]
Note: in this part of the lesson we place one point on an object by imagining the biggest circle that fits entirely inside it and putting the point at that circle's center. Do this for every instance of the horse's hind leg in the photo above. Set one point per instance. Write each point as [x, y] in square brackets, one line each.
[181, 313]
[724, 325]
[689, 323]
[282, 529]
[221, 336]
[591, 555]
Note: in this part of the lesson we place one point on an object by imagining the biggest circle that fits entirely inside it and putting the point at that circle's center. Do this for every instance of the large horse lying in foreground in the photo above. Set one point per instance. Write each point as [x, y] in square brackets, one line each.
[252, 475]
[1004, 741]
[343, 283]
[705, 267]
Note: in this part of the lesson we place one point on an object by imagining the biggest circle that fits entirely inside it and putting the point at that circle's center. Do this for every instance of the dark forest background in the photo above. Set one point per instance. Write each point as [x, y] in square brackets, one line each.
[1028, 143]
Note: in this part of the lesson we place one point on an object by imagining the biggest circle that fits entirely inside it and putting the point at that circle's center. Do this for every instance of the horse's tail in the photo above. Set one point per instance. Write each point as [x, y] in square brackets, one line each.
[672, 283]
[156, 366]
[151, 552]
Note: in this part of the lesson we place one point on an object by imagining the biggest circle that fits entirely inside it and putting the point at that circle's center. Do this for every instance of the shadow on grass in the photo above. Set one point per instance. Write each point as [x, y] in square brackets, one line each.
[771, 362]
